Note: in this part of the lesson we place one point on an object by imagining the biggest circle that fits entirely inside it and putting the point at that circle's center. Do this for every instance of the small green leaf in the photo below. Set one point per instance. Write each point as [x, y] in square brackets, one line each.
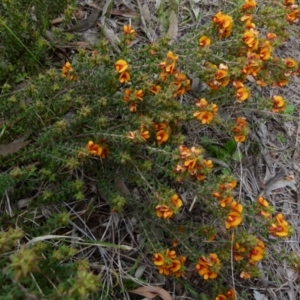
[289, 109]
[237, 155]
[230, 146]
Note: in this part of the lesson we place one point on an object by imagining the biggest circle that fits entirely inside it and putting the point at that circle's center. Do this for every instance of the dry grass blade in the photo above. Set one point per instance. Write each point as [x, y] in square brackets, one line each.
[151, 292]
[173, 28]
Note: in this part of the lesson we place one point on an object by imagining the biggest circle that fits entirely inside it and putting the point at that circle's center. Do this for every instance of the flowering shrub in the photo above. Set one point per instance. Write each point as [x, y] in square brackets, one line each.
[111, 128]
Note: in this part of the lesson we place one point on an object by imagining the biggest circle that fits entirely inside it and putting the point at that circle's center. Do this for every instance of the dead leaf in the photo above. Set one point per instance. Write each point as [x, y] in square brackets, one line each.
[12, 148]
[151, 292]
[57, 21]
[195, 7]
[173, 28]
[85, 24]
[121, 187]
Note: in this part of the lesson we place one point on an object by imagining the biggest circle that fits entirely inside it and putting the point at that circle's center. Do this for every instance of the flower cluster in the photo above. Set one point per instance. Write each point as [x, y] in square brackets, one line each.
[130, 34]
[293, 11]
[208, 267]
[224, 23]
[280, 227]
[206, 112]
[140, 135]
[167, 209]
[220, 75]
[121, 66]
[224, 190]
[162, 132]
[229, 294]
[193, 163]
[67, 71]
[180, 81]
[265, 210]
[98, 150]
[278, 104]
[133, 98]
[242, 93]
[240, 130]
[169, 263]
[225, 197]
[234, 217]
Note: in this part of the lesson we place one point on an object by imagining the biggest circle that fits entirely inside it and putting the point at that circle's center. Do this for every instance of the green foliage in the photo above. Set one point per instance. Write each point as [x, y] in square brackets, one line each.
[104, 146]
[22, 29]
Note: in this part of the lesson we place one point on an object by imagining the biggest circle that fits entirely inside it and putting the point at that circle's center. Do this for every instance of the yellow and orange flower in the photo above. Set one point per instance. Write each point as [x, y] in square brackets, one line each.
[124, 77]
[67, 71]
[128, 30]
[249, 4]
[245, 275]
[233, 219]
[271, 36]
[238, 252]
[164, 211]
[289, 62]
[155, 89]
[168, 263]
[221, 297]
[230, 293]
[204, 41]
[225, 24]
[278, 104]
[207, 111]
[240, 130]
[176, 201]
[280, 228]
[242, 93]
[257, 253]
[121, 65]
[158, 259]
[265, 51]
[209, 266]
[97, 150]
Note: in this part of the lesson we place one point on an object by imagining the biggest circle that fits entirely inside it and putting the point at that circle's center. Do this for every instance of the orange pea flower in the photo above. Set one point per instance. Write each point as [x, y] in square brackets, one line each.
[163, 211]
[262, 201]
[249, 4]
[172, 56]
[230, 294]
[289, 62]
[124, 77]
[128, 30]
[66, 69]
[235, 206]
[121, 65]
[158, 259]
[127, 94]
[271, 36]
[265, 51]
[245, 275]
[139, 94]
[155, 89]
[144, 133]
[209, 266]
[94, 149]
[242, 94]
[176, 201]
[221, 297]
[233, 219]
[278, 231]
[238, 252]
[278, 104]
[204, 41]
